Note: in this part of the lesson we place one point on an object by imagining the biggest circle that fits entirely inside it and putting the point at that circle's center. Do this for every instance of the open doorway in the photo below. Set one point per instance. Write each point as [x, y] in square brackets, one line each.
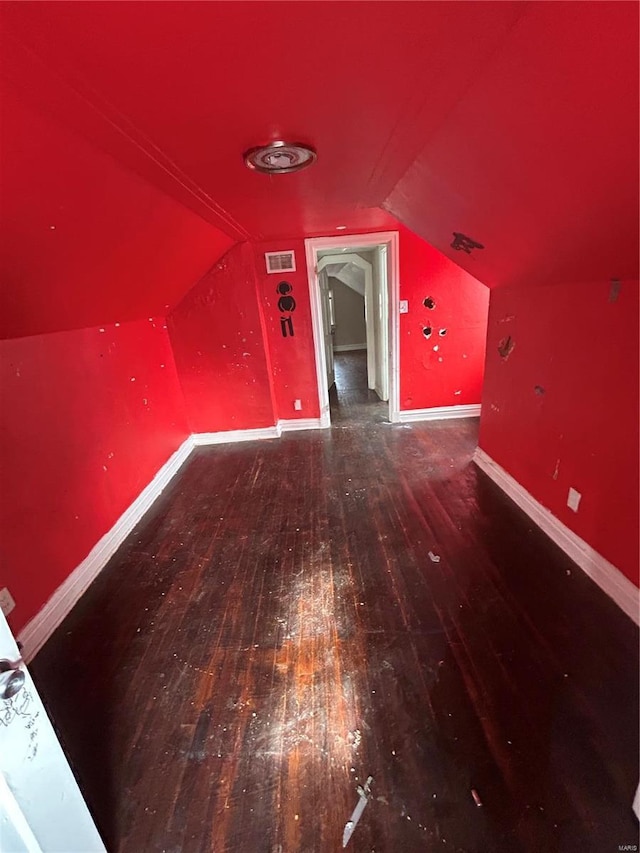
[353, 283]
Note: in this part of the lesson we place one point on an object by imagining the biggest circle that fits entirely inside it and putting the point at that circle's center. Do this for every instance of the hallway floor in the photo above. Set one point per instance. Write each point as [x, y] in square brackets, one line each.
[350, 399]
[296, 615]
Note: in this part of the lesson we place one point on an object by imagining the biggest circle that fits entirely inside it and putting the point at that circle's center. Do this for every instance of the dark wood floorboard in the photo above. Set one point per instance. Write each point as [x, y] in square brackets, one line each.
[274, 632]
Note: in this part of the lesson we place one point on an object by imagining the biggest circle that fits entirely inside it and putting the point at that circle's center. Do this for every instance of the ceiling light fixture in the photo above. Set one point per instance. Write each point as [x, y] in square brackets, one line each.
[279, 157]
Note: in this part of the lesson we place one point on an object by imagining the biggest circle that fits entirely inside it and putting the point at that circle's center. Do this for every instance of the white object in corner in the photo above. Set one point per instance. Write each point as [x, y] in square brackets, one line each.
[41, 806]
[439, 413]
[609, 578]
[39, 629]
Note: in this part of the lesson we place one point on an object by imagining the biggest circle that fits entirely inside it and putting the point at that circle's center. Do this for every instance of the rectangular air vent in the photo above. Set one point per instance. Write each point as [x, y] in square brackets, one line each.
[280, 261]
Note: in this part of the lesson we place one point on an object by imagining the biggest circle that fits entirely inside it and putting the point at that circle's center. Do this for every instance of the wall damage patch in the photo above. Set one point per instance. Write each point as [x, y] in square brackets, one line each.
[506, 347]
[462, 243]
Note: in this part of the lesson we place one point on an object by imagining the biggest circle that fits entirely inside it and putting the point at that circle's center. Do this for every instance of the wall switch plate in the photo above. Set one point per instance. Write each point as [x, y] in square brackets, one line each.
[404, 306]
[573, 500]
[297, 405]
[6, 601]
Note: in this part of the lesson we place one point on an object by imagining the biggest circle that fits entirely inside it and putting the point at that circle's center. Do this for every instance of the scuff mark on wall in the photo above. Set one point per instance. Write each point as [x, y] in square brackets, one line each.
[506, 347]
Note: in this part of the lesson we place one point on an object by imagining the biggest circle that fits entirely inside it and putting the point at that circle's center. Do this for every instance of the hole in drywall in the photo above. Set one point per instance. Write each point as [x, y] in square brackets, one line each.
[539, 390]
[427, 331]
[506, 347]
[442, 332]
[429, 303]
[462, 243]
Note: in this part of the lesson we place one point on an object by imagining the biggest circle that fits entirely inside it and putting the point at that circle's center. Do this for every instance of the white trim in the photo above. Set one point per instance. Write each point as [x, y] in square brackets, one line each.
[356, 241]
[38, 630]
[228, 436]
[439, 413]
[609, 578]
[318, 333]
[349, 347]
[295, 424]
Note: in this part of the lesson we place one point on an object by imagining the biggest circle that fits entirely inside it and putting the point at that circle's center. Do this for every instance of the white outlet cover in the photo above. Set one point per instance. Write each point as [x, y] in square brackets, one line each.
[404, 306]
[297, 405]
[6, 601]
[573, 500]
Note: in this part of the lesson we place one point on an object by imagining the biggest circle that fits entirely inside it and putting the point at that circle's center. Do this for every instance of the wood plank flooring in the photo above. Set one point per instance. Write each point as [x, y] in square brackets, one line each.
[274, 632]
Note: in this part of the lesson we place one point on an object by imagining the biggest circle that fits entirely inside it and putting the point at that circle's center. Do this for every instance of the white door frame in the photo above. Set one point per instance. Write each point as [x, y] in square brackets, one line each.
[367, 269]
[313, 245]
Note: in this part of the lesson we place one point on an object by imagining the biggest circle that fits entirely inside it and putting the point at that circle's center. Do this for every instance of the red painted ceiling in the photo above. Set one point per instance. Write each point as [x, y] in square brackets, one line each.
[513, 122]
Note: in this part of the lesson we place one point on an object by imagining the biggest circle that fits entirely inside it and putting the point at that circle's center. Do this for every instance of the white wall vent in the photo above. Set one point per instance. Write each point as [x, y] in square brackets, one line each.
[280, 261]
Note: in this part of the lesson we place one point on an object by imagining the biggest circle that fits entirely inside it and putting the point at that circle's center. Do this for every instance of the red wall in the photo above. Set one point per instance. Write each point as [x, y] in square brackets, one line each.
[431, 377]
[86, 241]
[217, 341]
[428, 378]
[582, 349]
[292, 359]
[88, 417]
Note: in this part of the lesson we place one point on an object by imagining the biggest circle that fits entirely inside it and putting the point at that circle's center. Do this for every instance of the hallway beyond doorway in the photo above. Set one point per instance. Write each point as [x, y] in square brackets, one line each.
[350, 399]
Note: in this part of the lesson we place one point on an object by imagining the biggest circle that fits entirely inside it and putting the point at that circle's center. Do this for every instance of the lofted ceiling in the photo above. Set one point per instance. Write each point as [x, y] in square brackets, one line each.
[514, 123]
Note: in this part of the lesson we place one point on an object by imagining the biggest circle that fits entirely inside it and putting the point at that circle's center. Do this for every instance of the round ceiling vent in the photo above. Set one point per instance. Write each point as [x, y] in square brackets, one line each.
[280, 157]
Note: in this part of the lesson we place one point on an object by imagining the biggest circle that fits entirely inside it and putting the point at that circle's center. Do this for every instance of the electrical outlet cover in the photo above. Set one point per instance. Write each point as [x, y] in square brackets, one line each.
[6, 601]
[404, 306]
[573, 500]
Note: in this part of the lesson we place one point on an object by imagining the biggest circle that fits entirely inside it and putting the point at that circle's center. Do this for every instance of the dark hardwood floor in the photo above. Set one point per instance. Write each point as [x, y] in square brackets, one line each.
[275, 632]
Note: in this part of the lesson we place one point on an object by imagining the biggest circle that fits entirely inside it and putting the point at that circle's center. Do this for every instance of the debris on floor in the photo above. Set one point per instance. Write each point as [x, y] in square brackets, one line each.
[476, 797]
[434, 557]
[364, 792]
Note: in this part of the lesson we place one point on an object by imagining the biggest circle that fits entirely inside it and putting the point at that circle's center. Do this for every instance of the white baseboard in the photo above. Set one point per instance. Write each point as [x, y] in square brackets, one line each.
[609, 578]
[287, 425]
[39, 629]
[439, 413]
[294, 424]
[231, 435]
[349, 347]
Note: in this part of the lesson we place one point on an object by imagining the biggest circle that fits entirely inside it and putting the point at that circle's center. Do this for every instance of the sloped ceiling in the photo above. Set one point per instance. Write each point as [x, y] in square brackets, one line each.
[514, 123]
